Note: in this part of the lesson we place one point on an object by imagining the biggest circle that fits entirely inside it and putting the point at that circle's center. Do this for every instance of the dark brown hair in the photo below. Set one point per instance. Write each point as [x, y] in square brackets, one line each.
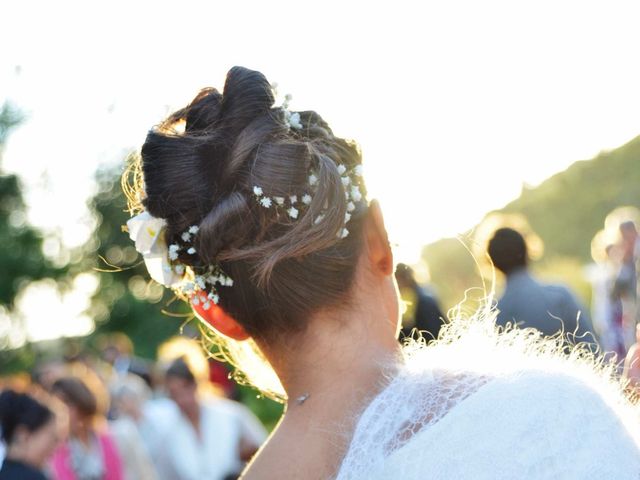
[21, 410]
[179, 368]
[283, 269]
[75, 392]
[508, 250]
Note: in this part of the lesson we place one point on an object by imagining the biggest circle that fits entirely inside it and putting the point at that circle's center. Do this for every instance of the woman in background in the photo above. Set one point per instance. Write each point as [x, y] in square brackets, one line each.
[30, 433]
[90, 452]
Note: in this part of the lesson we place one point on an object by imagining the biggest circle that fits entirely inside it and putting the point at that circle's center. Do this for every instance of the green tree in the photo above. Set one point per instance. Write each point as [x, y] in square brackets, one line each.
[21, 257]
[126, 300]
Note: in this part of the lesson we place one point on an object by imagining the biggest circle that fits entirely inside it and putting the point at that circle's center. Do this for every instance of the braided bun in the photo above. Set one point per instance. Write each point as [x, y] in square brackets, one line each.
[284, 266]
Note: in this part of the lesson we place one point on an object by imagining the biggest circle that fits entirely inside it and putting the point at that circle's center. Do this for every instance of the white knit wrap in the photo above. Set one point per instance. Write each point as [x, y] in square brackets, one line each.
[479, 405]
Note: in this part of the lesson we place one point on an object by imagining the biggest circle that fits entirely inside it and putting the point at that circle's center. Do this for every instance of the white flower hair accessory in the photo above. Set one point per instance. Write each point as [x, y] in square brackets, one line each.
[162, 260]
[148, 233]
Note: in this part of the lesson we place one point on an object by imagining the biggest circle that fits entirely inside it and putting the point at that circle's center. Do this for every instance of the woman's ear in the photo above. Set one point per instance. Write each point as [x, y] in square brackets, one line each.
[379, 249]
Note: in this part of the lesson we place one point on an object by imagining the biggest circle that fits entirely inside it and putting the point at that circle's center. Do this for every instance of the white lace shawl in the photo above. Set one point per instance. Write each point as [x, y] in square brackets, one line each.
[479, 405]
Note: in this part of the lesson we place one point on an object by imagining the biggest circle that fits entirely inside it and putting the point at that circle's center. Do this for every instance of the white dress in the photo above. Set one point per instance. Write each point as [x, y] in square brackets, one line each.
[485, 406]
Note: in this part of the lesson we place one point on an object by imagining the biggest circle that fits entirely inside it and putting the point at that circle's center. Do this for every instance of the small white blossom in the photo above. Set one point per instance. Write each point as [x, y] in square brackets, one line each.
[341, 169]
[191, 251]
[359, 170]
[200, 282]
[313, 180]
[186, 237]
[193, 229]
[293, 198]
[207, 305]
[188, 287]
[306, 199]
[228, 282]
[355, 194]
[195, 300]
[279, 200]
[257, 191]
[294, 121]
[347, 217]
[265, 202]
[173, 251]
[351, 207]
[215, 299]
[344, 233]
[293, 212]
[346, 181]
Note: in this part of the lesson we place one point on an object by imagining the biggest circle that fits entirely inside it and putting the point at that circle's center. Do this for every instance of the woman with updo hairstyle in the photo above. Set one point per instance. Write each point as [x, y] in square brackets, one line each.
[30, 435]
[258, 217]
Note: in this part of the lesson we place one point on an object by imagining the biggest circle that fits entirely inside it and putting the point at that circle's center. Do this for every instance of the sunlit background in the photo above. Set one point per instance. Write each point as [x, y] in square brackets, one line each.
[457, 105]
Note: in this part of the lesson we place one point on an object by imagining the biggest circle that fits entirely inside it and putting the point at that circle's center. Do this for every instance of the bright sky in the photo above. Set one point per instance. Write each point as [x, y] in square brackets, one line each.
[456, 104]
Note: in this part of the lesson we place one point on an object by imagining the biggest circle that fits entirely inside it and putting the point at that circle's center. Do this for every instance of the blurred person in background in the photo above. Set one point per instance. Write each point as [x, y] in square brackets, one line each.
[117, 351]
[424, 313]
[606, 307]
[46, 372]
[90, 452]
[627, 281]
[529, 303]
[131, 428]
[30, 433]
[210, 437]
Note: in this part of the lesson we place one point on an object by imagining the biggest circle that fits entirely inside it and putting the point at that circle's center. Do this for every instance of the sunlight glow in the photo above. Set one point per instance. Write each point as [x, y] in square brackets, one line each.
[456, 105]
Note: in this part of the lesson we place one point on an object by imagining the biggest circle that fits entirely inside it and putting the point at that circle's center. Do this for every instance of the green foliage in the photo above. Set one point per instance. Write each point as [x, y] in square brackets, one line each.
[126, 300]
[21, 257]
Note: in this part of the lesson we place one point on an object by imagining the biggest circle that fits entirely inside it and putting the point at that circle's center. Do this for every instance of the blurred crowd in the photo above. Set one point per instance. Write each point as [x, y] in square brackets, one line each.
[114, 416]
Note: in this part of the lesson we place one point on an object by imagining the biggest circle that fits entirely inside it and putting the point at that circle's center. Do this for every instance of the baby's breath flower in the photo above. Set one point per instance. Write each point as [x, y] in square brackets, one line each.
[191, 251]
[294, 121]
[355, 194]
[279, 200]
[293, 212]
[193, 229]
[313, 180]
[351, 207]
[306, 199]
[265, 202]
[293, 198]
[346, 181]
[341, 169]
[257, 191]
[173, 251]
[186, 237]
